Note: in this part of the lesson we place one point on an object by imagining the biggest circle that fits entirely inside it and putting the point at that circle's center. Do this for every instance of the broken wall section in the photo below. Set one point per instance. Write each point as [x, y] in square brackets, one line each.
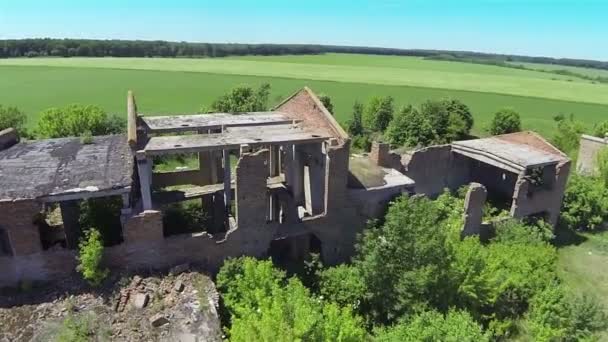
[588, 153]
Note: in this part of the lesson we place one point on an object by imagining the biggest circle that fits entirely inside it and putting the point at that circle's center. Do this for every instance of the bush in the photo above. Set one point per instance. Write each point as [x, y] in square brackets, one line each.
[585, 204]
[601, 129]
[455, 326]
[505, 121]
[89, 258]
[76, 120]
[265, 306]
[12, 117]
[243, 99]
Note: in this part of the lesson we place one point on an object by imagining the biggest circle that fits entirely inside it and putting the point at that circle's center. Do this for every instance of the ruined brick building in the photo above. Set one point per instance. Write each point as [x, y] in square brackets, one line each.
[278, 182]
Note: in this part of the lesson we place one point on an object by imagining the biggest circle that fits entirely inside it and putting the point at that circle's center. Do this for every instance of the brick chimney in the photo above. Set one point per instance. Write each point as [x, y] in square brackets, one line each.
[380, 154]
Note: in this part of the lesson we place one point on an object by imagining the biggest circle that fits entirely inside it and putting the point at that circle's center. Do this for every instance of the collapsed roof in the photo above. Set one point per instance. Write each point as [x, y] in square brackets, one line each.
[65, 168]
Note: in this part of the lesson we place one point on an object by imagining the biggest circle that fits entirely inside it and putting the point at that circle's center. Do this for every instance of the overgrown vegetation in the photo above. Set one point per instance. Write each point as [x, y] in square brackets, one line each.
[90, 254]
[265, 305]
[433, 122]
[413, 278]
[12, 117]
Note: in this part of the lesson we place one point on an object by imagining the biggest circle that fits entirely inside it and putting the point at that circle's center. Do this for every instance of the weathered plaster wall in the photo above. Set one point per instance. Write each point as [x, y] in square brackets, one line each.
[547, 201]
[587, 154]
[436, 168]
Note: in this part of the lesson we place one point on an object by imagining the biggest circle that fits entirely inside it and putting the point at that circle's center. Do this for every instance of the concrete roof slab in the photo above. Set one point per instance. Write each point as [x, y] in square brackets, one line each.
[233, 138]
[505, 154]
[52, 169]
[184, 123]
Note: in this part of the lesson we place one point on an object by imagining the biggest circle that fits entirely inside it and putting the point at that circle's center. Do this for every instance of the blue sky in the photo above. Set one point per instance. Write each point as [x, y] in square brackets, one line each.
[558, 28]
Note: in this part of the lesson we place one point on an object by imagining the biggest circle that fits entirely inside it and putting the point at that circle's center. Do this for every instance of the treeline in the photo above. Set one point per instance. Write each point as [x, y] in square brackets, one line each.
[40, 47]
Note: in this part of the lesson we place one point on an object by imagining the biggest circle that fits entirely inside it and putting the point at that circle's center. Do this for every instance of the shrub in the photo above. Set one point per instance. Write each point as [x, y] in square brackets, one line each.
[601, 129]
[557, 315]
[103, 214]
[243, 99]
[74, 120]
[505, 121]
[434, 326]
[12, 117]
[461, 111]
[89, 258]
[585, 204]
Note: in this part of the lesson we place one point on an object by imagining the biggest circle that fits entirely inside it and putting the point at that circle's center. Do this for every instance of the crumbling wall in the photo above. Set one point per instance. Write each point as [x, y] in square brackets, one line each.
[588, 152]
[498, 181]
[545, 201]
[473, 209]
[17, 218]
[144, 227]
[251, 193]
[436, 168]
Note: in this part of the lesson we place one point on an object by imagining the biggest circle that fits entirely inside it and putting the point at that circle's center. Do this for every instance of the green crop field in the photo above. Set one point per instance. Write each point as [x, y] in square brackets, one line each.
[553, 67]
[184, 85]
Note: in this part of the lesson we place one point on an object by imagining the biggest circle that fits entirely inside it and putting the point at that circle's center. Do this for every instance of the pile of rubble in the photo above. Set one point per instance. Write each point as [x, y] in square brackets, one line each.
[179, 306]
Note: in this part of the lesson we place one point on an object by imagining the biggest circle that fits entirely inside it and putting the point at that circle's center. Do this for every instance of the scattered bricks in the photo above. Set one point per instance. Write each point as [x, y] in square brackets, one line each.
[136, 281]
[179, 269]
[158, 320]
[122, 302]
[179, 286]
[141, 300]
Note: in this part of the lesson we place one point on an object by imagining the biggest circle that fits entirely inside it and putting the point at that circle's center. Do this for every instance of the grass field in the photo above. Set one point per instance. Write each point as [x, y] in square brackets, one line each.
[184, 85]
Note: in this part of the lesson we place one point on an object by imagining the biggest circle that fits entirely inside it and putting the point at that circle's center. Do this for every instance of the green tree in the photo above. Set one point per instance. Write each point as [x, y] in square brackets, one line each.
[265, 306]
[378, 113]
[243, 99]
[567, 137]
[404, 262]
[74, 120]
[585, 204]
[355, 124]
[410, 128]
[343, 285]
[505, 121]
[429, 326]
[89, 258]
[460, 111]
[326, 101]
[12, 117]
[439, 117]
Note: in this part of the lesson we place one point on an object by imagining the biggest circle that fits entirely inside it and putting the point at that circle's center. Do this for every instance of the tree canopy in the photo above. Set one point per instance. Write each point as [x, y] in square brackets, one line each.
[505, 121]
[243, 99]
